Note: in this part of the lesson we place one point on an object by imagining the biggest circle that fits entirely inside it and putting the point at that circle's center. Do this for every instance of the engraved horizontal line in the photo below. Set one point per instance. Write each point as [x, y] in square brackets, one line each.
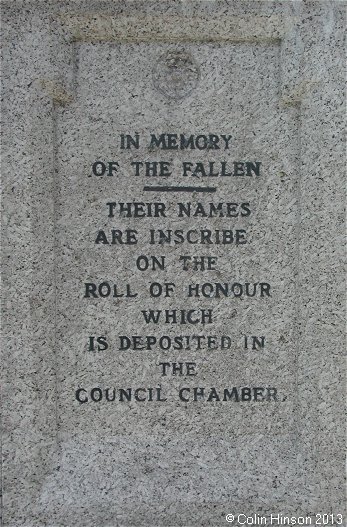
[179, 189]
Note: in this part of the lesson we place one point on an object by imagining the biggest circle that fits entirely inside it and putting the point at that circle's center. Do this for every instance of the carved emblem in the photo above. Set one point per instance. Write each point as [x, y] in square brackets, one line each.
[176, 74]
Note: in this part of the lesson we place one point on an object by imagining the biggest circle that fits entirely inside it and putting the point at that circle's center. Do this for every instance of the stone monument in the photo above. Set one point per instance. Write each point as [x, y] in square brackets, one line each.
[172, 260]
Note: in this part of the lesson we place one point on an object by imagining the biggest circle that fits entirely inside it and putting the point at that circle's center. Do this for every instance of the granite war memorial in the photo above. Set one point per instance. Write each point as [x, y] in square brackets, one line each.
[173, 293]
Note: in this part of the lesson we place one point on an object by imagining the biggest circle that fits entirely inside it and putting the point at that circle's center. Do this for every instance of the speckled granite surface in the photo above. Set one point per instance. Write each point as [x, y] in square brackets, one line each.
[235, 111]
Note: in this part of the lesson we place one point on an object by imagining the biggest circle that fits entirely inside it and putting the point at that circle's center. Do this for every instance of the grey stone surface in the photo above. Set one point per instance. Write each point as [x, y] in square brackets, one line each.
[77, 75]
